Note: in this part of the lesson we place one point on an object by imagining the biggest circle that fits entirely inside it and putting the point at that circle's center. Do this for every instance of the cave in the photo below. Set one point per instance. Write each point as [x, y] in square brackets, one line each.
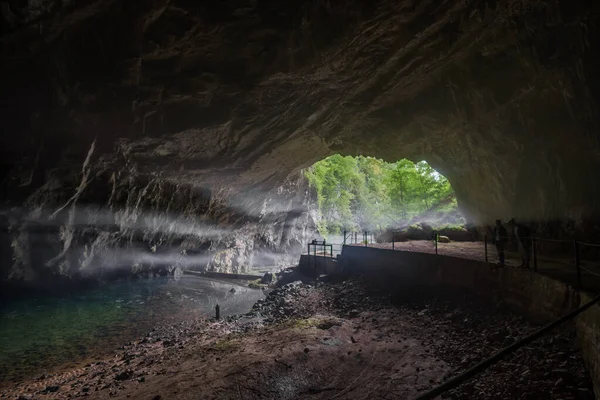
[226, 104]
[159, 134]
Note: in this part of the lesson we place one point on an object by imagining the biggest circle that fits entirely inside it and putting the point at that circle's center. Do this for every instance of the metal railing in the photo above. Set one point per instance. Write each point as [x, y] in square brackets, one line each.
[315, 244]
[533, 250]
[434, 238]
[351, 237]
[571, 260]
[501, 354]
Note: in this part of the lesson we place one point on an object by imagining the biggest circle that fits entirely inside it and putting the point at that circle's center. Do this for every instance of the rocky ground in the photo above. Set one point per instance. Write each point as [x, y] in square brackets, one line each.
[333, 341]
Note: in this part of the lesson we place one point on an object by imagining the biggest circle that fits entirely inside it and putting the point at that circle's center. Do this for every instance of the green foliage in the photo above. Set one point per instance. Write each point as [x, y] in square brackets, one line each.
[227, 344]
[368, 193]
[256, 284]
[300, 323]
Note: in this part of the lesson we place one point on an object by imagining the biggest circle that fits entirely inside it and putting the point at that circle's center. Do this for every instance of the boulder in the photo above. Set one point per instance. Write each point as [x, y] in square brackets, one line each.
[268, 278]
[444, 239]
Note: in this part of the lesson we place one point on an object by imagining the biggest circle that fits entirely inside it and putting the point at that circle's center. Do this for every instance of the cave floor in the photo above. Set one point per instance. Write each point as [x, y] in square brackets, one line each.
[335, 341]
[558, 266]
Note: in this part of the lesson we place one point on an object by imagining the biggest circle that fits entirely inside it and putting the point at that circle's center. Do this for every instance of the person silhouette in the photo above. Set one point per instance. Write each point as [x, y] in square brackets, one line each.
[522, 235]
[499, 238]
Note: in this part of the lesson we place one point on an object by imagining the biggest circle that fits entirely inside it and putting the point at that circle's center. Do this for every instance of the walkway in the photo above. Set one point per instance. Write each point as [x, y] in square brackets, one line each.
[560, 267]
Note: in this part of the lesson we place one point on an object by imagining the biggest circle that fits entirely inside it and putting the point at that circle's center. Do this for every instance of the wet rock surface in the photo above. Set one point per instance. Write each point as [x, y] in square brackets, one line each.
[500, 97]
[120, 225]
[287, 302]
[333, 340]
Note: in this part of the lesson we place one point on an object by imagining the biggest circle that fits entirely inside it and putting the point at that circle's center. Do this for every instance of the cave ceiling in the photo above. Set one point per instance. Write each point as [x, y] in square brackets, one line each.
[499, 96]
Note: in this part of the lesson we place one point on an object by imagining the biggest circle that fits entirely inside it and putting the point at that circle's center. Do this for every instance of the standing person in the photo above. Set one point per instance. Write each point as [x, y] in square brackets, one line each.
[500, 235]
[522, 235]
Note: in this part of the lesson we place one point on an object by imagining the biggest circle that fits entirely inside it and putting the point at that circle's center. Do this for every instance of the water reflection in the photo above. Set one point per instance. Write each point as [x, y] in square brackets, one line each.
[38, 334]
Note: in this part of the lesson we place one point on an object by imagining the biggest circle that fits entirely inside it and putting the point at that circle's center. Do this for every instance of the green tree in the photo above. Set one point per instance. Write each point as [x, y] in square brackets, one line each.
[402, 190]
[367, 193]
[433, 186]
[336, 180]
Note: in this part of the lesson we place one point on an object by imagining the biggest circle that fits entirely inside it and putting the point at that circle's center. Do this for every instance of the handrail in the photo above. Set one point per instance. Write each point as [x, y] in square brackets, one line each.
[554, 240]
[457, 380]
[589, 244]
[534, 253]
[367, 237]
[589, 271]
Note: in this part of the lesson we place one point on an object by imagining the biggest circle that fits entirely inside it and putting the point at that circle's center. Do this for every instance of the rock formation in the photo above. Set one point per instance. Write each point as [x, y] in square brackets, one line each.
[232, 98]
[120, 223]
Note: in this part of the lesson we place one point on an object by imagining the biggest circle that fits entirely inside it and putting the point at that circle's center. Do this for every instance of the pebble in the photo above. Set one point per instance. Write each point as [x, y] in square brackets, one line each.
[125, 375]
[51, 389]
[460, 333]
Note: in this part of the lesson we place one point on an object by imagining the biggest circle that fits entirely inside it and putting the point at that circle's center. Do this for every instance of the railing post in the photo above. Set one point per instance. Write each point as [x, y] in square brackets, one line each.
[436, 243]
[316, 268]
[393, 237]
[485, 246]
[534, 246]
[344, 237]
[217, 312]
[577, 263]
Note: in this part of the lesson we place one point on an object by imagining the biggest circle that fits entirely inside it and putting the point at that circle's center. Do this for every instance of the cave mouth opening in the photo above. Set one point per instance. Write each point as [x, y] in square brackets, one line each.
[359, 193]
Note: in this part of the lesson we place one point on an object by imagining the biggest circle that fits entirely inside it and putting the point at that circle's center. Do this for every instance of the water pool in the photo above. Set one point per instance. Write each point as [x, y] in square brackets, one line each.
[40, 334]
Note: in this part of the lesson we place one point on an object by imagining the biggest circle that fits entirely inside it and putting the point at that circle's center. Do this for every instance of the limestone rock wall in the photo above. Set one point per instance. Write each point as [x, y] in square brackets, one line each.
[500, 96]
[109, 221]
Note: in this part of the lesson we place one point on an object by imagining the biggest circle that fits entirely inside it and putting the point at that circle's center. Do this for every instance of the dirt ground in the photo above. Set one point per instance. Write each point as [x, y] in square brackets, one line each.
[335, 341]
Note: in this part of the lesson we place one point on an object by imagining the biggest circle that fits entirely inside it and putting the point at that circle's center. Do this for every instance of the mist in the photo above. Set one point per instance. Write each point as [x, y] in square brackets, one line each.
[103, 219]
[94, 239]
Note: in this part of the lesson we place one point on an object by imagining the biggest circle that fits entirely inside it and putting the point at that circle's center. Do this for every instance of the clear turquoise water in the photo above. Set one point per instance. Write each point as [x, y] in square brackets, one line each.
[40, 334]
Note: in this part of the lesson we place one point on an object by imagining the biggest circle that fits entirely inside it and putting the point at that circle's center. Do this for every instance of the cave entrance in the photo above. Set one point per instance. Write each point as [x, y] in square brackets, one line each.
[368, 194]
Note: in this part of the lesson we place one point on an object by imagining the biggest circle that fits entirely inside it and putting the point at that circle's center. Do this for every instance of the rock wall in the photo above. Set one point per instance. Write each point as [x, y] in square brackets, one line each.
[539, 297]
[109, 221]
[588, 328]
[500, 96]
